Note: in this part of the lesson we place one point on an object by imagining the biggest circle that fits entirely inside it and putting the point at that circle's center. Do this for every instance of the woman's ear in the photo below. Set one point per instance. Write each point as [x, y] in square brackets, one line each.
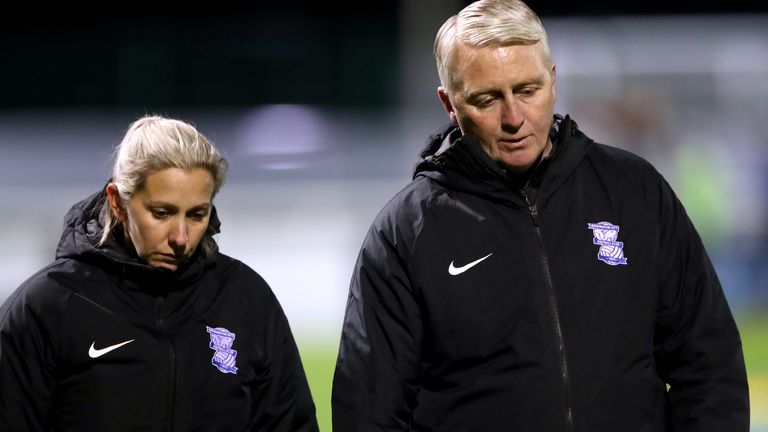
[113, 199]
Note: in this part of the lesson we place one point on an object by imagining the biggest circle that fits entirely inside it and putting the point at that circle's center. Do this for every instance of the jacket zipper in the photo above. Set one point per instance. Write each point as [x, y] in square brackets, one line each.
[534, 212]
[172, 360]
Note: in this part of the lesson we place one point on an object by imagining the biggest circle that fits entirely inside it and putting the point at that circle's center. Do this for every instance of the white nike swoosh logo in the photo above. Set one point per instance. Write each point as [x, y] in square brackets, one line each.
[459, 270]
[94, 353]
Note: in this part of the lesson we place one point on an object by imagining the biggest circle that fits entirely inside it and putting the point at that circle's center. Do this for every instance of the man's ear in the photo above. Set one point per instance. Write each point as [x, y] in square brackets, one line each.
[446, 101]
[113, 200]
[553, 73]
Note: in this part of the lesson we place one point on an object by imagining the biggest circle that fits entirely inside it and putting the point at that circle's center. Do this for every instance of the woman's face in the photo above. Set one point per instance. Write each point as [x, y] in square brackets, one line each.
[167, 217]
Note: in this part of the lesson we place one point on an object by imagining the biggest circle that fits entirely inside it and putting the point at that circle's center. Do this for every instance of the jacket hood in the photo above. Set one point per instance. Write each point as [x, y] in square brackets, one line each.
[82, 233]
[459, 162]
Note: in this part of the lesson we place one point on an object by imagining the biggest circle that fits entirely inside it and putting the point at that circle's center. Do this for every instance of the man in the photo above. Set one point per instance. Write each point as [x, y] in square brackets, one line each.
[529, 279]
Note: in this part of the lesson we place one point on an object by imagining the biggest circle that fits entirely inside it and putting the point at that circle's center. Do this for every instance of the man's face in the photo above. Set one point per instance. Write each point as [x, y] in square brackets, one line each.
[167, 217]
[505, 97]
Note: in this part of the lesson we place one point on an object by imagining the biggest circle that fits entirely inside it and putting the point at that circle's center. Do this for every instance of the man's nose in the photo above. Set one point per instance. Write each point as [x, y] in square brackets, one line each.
[512, 115]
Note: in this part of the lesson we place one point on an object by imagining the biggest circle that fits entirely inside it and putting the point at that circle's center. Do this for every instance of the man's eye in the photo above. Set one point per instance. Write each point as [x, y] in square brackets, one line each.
[485, 102]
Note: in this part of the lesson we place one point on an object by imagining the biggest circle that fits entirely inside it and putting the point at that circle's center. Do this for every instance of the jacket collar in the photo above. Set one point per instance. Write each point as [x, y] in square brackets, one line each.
[459, 162]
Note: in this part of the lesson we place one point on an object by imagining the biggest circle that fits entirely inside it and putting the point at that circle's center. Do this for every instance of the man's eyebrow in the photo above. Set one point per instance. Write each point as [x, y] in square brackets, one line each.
[474, 94]
[532, 81]
[480, 92]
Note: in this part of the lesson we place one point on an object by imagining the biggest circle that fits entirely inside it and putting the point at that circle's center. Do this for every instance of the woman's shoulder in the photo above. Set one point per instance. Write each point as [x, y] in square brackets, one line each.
[45, 292]
[233, 267]
[235, 275]
[55, 276]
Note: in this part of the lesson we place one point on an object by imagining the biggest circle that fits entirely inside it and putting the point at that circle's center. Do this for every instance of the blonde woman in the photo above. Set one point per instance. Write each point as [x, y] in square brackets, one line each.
[140, 323]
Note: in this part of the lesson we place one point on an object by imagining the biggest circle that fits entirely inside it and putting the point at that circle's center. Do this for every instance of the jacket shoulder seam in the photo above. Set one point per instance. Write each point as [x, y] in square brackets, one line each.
[23, 286]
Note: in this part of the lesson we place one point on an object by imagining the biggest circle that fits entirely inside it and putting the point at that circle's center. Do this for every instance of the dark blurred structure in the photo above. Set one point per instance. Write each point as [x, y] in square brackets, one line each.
[648, 7]
[327, 53]
[303, 55]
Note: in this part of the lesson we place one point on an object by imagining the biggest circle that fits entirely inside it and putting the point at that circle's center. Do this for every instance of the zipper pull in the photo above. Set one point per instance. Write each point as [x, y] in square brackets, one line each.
[531, 209]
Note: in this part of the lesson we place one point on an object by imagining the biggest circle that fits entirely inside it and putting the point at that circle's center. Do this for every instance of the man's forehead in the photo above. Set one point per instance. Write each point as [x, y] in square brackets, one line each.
[471, 63]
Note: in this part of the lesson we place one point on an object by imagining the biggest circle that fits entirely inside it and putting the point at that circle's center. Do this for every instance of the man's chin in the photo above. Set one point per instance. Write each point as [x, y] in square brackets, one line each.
[518, 164]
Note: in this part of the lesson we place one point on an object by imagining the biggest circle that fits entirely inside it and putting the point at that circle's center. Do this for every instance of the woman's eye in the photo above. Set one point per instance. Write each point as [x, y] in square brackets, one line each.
[160, 214]
[199, 215]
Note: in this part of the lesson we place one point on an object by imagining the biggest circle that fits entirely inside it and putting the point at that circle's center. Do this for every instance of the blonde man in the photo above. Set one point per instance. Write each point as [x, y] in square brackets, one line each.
[529, 279]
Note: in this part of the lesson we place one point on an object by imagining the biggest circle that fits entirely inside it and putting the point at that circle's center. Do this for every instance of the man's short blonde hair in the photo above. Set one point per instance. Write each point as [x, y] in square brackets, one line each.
[487, 23]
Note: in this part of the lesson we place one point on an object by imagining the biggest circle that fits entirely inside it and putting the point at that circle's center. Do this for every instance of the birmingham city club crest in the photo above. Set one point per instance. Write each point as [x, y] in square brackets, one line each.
[611, 251]
[221, 341]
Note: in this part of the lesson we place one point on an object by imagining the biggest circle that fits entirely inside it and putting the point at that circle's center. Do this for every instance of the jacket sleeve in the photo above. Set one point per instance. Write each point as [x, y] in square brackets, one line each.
[377, 372]
[283, 401]
[26, 364]
[697, 345]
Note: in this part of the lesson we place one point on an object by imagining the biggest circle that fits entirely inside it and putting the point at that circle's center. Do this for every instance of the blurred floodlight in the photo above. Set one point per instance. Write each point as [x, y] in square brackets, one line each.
[281, 130]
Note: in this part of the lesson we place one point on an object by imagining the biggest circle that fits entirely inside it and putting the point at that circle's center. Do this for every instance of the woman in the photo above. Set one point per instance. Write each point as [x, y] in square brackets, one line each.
[140, 323]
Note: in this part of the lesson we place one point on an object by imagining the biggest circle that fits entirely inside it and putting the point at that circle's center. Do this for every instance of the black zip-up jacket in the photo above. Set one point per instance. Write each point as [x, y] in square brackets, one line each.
[566, 303]
[98, 341]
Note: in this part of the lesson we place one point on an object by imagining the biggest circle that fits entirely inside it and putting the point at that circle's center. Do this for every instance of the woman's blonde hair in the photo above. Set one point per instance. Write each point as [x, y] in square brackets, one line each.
[155, 143]
[494, 23]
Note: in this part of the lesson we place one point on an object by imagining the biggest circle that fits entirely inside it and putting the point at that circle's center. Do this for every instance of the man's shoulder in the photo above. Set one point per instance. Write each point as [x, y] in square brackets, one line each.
[402, 216]
[611, 155]
[412, 199]
[613, 160]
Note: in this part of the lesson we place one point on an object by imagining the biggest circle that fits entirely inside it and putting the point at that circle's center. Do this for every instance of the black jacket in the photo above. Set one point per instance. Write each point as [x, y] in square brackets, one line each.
[566, 303]
[98, 341]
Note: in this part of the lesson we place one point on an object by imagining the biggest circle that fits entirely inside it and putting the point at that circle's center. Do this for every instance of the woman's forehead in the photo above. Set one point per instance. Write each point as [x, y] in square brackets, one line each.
[178, 186]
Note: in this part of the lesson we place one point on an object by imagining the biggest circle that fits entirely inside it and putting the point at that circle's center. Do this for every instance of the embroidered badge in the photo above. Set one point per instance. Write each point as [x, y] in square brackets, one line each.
[221, 341]
[611, 251]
